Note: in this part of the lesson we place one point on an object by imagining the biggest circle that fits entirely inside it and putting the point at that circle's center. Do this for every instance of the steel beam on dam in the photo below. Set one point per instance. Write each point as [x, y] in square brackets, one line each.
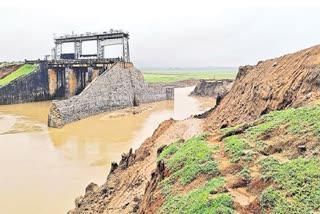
[102, 39]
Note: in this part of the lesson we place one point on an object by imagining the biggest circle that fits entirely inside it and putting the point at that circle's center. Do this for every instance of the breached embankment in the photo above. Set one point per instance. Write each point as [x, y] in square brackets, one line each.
[212, 88]
[288, 81]
[119, 87]
[139, 183]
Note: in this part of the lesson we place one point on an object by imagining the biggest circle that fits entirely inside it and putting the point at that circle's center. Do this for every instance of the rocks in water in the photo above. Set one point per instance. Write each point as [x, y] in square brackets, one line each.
[212, 88]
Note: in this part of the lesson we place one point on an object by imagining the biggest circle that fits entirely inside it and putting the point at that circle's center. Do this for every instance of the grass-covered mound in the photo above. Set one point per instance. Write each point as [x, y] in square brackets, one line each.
[24, 70]
[278, 131]
[268, 166]
[297, 186]
[285, 146]
[186, 162]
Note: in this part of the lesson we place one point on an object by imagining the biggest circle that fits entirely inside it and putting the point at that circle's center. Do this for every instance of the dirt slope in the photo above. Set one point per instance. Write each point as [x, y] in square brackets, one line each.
[6, 70]
[292, 80]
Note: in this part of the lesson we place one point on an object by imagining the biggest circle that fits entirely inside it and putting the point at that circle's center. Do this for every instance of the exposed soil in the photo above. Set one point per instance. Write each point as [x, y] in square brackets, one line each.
[6, 70]
[292, 80]
[212, 88]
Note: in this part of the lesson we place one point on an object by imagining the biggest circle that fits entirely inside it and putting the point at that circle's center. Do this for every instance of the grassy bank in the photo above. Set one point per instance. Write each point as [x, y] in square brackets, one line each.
[273, 142]
[173, 76]
[25, 69]
[262, 157]
[186, 162]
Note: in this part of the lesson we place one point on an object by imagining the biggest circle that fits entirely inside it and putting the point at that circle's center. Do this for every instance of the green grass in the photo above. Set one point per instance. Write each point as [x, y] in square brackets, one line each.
[297, 188]
[267, 166]
[297, 121]
[25, 69]
[302, 122]
[188, 160]
[168, 151]
[176, 76]
[295, 185]
[185, 161]
[200, 201]
[235, 147]
[245, 174]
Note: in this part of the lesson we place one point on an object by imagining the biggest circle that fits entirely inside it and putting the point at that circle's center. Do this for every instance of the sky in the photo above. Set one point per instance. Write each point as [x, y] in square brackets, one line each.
[166, 33]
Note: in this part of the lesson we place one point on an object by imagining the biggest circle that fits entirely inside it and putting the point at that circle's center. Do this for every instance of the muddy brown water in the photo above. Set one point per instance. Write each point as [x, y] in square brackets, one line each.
[43, 170]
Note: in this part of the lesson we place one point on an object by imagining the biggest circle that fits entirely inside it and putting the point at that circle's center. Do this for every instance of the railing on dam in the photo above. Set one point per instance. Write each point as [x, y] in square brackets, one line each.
[75, 62]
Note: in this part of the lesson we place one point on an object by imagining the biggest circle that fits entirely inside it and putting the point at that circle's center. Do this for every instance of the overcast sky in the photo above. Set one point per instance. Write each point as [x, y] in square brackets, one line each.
[166, 33]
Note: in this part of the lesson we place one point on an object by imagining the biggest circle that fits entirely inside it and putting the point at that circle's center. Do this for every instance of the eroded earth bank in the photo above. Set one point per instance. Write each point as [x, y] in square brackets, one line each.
[257, 151]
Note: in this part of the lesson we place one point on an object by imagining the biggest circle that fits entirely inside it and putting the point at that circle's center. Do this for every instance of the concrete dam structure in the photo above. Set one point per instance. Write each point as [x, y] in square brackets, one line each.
[81, 84]
[66, 74]
[119, 87]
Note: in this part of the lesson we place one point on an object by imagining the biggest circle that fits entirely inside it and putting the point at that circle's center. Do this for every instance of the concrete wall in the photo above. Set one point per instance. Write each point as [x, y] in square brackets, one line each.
[68, 82]
[119, 87]
[46, 84]
[30, 88]
[53, 79]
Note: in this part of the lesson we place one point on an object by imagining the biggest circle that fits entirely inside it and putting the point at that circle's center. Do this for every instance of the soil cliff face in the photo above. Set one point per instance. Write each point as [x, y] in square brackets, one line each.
[292, 80]
[212, 88]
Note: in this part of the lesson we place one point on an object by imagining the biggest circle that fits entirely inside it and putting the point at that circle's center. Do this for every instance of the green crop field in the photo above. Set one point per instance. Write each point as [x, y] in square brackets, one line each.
[25, 69]
[166, 76]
